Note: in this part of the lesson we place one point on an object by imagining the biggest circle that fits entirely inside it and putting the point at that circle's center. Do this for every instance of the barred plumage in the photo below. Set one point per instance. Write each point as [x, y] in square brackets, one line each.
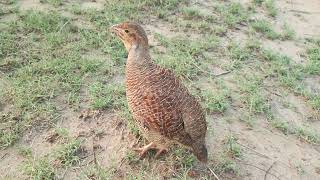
[164, 110]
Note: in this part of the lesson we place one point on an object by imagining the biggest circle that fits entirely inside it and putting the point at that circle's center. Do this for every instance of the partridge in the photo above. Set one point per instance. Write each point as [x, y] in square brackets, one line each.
[163, 109]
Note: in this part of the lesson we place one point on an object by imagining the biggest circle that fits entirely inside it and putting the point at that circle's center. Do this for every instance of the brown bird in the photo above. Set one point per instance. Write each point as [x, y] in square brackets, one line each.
[165, 112]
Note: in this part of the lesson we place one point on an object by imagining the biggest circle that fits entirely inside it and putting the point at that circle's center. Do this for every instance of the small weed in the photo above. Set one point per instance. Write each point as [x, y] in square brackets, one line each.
[215, 101]
[132, 157]
[271, 7]
[96, 172]
[300, 169]
[55, 3]
[233, 149]
[25, 151]
[191, 13]
[226, 166]
[265, 28]
[39, 169]
[315, 102]
[62, 132]
[238, 55]
[184, 157]
[289, 74]
[67, 154]
[287, 33]
[253, 99]
[9, 136]
[106, 96]
[233, 13]
[313, 57]
[303, 132]
[308, 134]
[183, 56]
[43, 22]
[259, 2]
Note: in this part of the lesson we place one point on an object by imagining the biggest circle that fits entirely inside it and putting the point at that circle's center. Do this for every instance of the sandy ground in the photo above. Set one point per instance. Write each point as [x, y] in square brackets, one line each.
[265, 148]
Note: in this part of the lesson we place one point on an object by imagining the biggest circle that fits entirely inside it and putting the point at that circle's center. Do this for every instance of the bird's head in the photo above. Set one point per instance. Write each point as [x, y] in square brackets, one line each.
[130, 34]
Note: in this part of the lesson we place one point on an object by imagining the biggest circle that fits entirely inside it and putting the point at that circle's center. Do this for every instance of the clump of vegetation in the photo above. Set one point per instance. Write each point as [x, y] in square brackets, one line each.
[233, 13]
[313, 58]
[107, 95]
[67, 154]
[39, 169]
[288, 33]
[185, 60]
[271, 7]
[191, 12]
[238, 54]
[216, 101]
[251, 95]
[265, 27]
[233, 149]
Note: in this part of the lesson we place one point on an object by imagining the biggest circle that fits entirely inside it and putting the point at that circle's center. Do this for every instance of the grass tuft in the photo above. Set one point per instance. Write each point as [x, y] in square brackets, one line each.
[265, 27]
[39, 169]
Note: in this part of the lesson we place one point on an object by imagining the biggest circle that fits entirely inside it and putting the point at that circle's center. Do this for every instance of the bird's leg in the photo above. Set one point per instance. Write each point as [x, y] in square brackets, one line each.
[142, 151]
[160, 150]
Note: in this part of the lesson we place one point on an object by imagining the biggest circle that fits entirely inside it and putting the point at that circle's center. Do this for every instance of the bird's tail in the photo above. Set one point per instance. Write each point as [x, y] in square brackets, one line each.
[200, 151]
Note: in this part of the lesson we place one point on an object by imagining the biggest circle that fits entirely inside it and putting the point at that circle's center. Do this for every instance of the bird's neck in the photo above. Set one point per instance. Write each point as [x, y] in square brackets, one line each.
[138, 55]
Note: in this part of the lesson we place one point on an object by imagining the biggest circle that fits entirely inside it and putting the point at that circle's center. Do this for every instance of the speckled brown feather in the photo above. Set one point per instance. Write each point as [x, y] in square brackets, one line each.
[162, 106]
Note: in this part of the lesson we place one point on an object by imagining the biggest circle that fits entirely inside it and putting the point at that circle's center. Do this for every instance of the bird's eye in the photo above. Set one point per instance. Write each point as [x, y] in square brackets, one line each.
[127, 31]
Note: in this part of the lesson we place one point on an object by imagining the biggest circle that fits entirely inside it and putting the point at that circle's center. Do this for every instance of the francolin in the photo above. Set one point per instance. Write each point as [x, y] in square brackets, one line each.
[165, 112]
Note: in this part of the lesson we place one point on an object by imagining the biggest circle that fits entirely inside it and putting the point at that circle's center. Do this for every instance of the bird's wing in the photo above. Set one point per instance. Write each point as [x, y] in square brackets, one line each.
[162, 103]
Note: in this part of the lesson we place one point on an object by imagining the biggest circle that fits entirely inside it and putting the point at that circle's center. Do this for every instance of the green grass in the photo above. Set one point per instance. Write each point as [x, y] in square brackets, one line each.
[271, 7]
[25, 151]
[226, 165]
[233, 149]
[238, 55]
[46, 167]
[288, 73]
[233, 13]
[315, 102]
[265, 27]
[191, 12]
[105, 96]
[39, 169]
[303, 132]
[185, 58]
[96, 172]
[251, 96]
[215, 101]
[287, 33]
[67, 154]
[54, 2]
[313, 58]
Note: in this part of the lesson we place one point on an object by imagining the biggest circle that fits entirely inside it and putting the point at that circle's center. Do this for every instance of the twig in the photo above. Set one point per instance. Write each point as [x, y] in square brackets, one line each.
[214, 174]
[304, 12]
[267, 172]
[260, 169]
[265, 156]
[121, 162]
[94, 153]
[5, 154]
[221, 74]
[63, 25]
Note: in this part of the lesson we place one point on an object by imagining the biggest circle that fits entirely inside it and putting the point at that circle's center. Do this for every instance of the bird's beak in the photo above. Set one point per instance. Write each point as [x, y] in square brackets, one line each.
[115, 29]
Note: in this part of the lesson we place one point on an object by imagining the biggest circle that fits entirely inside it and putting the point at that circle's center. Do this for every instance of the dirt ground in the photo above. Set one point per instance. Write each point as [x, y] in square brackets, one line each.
[267, 153]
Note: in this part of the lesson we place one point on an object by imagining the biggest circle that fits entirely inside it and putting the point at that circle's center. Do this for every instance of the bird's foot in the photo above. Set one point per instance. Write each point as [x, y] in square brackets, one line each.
[160, 151]
[142, 151]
